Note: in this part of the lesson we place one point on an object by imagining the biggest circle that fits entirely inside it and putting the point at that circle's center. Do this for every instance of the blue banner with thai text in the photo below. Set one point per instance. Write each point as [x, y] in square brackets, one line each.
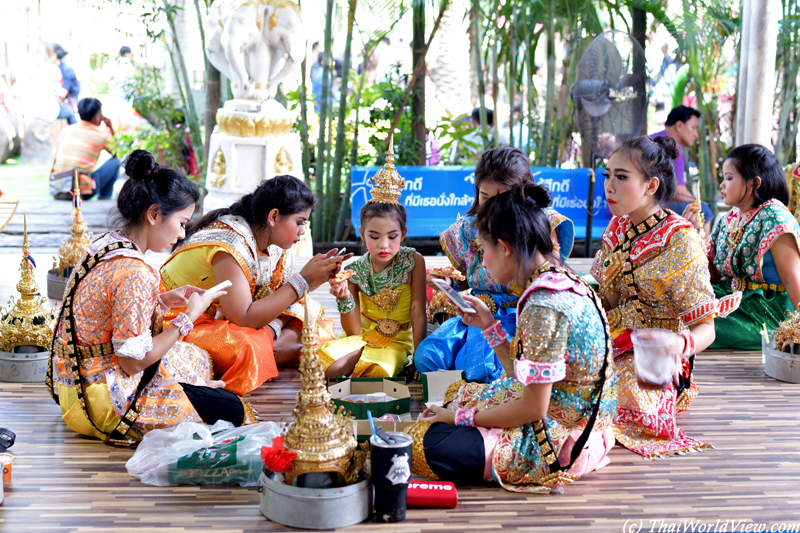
[435, 196]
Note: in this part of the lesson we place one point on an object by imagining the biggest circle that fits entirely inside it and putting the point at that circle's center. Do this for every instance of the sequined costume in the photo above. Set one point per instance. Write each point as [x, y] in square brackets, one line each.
[243, 356]
[456, 346]
[385, 301]
[661, 273]
[564, 341]
[114, 312]
[739, 248]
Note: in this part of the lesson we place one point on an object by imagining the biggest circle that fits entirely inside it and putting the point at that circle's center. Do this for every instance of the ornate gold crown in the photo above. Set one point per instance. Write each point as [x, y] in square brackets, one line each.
[322, 438]
[387, 183]
[74, 246]
[27, 323]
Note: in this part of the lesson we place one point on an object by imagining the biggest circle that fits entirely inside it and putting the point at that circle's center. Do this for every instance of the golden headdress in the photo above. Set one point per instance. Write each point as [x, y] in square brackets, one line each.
[322, 439]
[27, 323]
[387, 183]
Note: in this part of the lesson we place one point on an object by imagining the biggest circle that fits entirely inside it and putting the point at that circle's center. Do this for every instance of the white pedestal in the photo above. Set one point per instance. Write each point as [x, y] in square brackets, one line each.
[252, 142]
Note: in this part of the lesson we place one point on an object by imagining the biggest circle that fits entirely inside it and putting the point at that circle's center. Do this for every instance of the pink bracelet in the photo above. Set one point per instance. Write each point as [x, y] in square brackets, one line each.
[689, 348]
[183, 324]
[466, 417]
[495, 335]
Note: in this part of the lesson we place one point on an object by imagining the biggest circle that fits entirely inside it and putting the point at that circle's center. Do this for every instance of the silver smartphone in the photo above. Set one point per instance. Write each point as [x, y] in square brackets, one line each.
[453, 296]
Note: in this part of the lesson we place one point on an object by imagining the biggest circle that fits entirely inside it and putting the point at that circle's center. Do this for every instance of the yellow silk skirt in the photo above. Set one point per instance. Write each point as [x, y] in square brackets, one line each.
[386, 361]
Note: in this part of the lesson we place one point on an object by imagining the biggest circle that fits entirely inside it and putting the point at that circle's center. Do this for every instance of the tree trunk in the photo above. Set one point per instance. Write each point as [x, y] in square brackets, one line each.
[418, 95]
[512, 74]
[319, 171]
[212, 89]
[544, 148]
[639, 30]
[495, 90]
[335, 192]
[479, 74]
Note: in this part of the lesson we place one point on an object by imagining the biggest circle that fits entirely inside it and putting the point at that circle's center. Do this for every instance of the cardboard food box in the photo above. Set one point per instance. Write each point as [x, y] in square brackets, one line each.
[397, 395]
[435, 385]
[332, 381]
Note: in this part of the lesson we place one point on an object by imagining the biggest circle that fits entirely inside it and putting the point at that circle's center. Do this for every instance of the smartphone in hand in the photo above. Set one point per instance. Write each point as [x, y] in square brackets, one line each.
[220, 287]
[453, 296]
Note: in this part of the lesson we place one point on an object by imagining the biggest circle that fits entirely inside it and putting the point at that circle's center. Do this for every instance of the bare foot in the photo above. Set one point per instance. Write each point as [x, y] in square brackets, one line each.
[215, 384]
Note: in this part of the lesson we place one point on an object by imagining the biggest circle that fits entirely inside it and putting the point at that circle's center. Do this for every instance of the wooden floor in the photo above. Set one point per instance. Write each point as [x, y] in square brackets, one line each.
[63, 482]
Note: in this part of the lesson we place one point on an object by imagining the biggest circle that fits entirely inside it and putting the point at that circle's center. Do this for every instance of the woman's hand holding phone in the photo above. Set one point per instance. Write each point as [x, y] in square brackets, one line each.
[482, 318]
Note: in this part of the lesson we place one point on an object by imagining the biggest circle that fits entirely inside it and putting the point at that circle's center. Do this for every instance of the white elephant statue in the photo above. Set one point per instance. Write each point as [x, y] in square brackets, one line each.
[248, 39]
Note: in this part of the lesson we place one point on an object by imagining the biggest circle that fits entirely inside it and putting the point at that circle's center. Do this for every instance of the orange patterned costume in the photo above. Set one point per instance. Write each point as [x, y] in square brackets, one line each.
[243, 356]
[113, 309]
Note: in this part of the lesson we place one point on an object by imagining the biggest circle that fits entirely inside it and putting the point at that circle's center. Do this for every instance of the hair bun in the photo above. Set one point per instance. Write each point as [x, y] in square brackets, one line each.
[140, 164]
[538, 194]
[669, 145]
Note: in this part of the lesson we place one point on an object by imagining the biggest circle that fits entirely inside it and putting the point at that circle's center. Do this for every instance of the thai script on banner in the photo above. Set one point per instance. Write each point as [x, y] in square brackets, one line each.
[442, 200]
[435, 196]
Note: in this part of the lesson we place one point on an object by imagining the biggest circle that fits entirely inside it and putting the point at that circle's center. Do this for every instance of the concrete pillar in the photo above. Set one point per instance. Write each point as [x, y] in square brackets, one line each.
[763, 46]
[744, 54]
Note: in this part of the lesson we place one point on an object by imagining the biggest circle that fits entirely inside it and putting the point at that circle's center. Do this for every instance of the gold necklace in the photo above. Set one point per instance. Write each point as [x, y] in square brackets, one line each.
[386, 299]
[736, 235]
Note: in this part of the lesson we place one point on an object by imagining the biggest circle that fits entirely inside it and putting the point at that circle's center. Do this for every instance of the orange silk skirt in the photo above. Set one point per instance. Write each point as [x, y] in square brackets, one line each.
[244, 356]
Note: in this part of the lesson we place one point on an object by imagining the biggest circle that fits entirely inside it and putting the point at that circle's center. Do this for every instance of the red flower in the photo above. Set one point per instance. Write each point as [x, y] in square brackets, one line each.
[276, 458]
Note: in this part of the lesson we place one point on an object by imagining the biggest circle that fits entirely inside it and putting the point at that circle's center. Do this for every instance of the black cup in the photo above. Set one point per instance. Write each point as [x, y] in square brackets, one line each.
[391, 471]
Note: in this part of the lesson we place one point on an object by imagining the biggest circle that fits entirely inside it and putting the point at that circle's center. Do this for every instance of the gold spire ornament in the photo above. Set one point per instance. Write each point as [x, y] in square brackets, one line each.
[321, 437]
[74, 246]
[27, 323]
[387, 184]
[788, 331]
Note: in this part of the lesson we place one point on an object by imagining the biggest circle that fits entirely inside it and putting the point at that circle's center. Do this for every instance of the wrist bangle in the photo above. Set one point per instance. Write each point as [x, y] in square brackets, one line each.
[689, 347]
[466, 417]
[346, 306]
[276, 327]
[183, 324]
[298, 283]
[495, 335]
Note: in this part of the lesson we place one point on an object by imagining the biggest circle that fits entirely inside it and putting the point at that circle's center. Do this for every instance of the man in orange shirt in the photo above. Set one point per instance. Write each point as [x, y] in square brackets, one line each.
[80, 148]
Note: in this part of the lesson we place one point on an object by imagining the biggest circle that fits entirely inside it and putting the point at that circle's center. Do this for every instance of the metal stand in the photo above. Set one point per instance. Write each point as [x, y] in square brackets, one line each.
[587, 252]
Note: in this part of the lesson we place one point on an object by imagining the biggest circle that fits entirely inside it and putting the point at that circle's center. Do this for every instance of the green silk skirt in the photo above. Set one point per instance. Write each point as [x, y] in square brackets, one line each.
[741, 330]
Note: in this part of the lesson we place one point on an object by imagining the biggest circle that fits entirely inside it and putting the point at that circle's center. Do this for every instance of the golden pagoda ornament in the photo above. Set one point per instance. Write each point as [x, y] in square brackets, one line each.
[788, 332]
[321, 437]
[27, 323]
[387, 184]
[74, 246]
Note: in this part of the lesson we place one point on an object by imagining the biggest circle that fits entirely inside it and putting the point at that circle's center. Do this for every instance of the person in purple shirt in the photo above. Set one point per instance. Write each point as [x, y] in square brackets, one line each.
[681, 125]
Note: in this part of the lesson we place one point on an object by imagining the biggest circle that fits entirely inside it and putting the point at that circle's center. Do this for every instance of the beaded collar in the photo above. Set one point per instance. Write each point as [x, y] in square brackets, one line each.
[618, 262]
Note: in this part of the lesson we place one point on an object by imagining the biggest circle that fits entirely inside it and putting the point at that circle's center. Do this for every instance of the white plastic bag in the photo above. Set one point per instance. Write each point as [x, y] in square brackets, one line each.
[197, 454]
